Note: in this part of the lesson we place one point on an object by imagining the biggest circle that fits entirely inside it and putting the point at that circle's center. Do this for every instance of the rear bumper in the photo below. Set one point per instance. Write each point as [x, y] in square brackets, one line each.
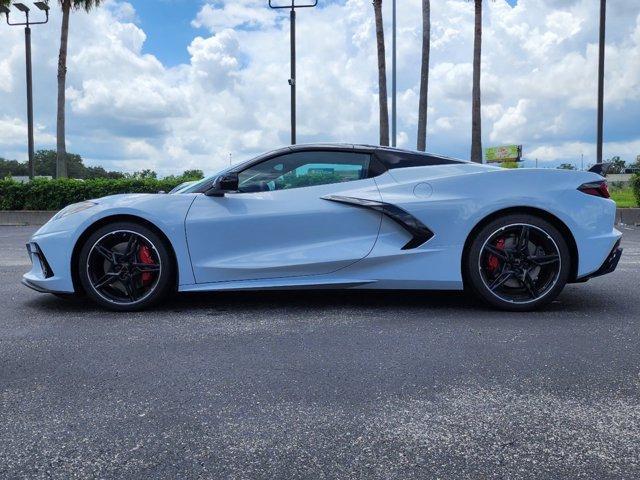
[609, 265]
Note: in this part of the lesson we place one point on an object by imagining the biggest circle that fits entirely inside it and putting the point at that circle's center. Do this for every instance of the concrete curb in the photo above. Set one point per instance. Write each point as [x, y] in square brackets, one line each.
[626, 216]
[24, 217]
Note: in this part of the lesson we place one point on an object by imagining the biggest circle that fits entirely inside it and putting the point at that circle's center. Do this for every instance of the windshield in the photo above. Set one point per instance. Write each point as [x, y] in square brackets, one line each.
[183, 187]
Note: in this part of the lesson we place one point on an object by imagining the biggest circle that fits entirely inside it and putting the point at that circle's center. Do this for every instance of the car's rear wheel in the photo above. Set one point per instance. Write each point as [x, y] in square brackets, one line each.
[125, 266]
[518, 262]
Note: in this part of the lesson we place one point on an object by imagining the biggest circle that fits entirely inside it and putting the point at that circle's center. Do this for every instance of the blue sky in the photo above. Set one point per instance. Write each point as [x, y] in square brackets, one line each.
[167, 24]
[178, 84]
[169, 30]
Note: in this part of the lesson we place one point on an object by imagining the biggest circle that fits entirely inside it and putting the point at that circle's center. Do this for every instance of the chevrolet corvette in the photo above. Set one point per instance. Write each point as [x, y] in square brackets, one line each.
[337, 216]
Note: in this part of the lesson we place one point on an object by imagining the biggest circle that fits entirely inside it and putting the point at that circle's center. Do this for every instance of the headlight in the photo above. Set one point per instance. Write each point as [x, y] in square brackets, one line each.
[74, 208]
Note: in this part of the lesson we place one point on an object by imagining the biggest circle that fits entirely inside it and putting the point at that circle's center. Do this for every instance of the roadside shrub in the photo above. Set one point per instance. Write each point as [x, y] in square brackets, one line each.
[635, 185]
[43, 194]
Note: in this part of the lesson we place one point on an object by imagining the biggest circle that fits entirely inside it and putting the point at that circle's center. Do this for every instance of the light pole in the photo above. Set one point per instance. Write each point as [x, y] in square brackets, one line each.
[603, 15]
[292, 80]
[394, 77]
[27, 44]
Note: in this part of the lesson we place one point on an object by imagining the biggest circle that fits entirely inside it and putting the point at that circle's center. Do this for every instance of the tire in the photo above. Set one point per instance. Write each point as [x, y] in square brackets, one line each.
[518, 262]
[126, 266]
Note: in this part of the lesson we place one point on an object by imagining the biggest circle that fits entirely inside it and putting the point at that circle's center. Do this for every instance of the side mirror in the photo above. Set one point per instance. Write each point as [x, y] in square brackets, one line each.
[225, 183]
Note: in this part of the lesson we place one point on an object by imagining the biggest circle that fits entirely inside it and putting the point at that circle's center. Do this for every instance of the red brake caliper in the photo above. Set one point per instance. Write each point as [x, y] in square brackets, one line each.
[145, 257]
[493, 262]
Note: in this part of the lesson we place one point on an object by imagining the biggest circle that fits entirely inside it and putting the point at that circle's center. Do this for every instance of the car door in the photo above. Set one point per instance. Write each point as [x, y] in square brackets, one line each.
[278, 224]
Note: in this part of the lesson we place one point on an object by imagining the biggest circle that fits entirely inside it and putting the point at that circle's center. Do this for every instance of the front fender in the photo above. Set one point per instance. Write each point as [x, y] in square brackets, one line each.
[58, 238]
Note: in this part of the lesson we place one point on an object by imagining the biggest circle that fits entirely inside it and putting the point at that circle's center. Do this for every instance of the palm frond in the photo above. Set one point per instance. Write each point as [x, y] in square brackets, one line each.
[86, 5]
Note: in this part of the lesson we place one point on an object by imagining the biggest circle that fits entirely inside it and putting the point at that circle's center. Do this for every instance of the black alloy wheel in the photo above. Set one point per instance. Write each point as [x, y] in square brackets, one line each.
[518, 262]
[125, 266]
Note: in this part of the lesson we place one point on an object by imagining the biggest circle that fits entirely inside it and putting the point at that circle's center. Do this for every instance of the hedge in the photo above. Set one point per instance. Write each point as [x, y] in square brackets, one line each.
[635, 184]
[56, 194]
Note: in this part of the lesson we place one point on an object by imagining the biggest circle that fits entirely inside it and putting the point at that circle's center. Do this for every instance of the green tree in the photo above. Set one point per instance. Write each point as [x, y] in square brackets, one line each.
[424, 75]
[46, 164]
[617, 165]
[61, 146]
[193, 175]
[566, 166]
[99, 172]
[12, 168]
[142, 174]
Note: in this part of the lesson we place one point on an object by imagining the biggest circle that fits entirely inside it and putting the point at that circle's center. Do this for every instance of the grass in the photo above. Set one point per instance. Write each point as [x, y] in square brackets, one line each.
[624, 197]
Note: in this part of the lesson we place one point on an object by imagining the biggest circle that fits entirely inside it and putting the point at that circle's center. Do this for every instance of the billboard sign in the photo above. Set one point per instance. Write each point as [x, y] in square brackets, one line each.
[507, 153]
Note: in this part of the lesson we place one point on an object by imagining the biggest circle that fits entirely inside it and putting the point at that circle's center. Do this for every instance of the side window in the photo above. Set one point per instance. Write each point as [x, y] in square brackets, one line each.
[304, 169]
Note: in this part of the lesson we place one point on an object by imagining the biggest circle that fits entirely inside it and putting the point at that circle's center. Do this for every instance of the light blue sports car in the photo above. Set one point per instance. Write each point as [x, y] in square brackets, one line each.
[337, 216]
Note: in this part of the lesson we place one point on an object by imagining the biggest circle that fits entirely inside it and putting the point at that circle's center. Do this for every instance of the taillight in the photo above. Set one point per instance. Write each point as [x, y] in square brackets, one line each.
[599, 189]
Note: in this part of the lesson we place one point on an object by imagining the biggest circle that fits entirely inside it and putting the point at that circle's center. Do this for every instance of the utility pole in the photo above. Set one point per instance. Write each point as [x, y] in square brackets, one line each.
[27, 46]
[603, 15]
[394, 78]
[292, 80]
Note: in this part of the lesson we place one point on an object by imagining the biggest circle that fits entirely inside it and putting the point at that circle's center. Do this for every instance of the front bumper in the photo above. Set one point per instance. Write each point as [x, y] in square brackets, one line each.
[39, 260]
[49, 272]
[34, 286]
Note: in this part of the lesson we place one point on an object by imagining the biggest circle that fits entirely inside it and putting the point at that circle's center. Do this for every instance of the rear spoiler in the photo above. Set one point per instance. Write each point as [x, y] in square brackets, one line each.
[601, 168]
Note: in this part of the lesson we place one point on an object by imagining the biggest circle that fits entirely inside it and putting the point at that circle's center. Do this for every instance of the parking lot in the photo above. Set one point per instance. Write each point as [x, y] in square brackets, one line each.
[321, 385]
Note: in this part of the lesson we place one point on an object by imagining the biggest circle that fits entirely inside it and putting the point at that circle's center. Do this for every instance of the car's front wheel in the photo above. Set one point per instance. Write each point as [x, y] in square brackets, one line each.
[518, 262]
[125, 266]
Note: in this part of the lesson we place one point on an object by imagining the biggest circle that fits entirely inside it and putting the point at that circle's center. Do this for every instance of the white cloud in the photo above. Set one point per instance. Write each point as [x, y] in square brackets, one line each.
[573, 151]
[128, 110]
[238, 13]
[13, 131]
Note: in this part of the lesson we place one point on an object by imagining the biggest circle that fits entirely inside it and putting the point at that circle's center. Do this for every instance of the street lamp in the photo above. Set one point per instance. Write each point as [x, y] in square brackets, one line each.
[27, 43]
[292, 81]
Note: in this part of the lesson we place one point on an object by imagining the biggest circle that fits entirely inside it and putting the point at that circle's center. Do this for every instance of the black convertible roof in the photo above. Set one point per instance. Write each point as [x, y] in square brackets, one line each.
[387, 157]
[390, 157]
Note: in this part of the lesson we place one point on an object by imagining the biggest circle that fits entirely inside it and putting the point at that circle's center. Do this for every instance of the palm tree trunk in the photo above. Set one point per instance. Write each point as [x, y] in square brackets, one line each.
[382, 75]
[603, 16]
[424, 75]
[476, 119]
[61, 154]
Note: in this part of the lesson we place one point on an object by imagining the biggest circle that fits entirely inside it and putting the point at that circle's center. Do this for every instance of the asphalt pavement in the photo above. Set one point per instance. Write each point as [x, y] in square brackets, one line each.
[348, 384]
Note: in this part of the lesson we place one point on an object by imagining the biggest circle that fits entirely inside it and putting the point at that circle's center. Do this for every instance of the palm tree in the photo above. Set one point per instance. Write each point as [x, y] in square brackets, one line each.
[61, 150]
[424, 75]
[382, 75]
[603, 19]
[476, 119]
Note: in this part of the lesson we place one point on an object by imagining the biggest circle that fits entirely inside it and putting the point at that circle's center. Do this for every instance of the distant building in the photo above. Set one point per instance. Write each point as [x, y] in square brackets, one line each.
[24, 179]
